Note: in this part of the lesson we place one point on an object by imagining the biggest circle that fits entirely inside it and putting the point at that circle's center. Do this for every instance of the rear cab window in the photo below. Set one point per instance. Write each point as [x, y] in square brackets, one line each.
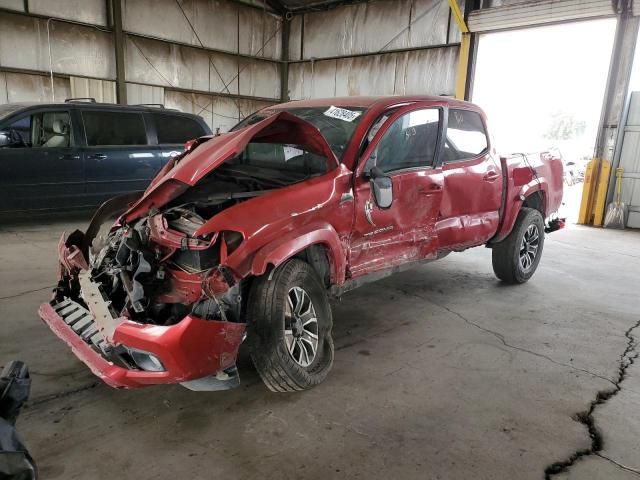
[466, 136]
[103, 128]
[176, 129]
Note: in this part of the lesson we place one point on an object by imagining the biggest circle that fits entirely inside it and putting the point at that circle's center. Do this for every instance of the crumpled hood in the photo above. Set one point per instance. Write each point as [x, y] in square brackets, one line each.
[184, 171]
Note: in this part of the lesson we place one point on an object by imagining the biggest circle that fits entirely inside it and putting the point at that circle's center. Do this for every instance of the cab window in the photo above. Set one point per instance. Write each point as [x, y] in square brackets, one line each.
[410, 142]
[466, 137]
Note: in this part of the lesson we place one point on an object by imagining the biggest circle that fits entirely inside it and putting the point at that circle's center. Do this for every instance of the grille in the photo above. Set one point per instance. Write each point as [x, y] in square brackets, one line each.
[81, 321]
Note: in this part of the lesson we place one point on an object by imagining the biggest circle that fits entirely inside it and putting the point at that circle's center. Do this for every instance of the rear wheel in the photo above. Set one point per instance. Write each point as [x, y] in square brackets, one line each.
[516, 258]
[290, 329]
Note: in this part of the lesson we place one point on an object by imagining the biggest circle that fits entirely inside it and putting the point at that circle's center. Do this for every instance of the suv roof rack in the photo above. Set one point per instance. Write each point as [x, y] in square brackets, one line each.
[159, 105]
[80, 100]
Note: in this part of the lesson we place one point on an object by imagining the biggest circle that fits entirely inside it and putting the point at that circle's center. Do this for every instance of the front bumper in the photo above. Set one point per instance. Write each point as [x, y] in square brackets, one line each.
[192, 349]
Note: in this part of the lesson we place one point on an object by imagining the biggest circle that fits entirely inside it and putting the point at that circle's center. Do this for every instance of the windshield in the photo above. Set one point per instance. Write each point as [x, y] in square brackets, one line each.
[336, 124]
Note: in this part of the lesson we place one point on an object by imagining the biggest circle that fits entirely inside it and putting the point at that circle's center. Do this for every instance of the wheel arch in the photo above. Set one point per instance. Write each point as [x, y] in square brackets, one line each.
[530, 196]
[319, 246]
[535, 200]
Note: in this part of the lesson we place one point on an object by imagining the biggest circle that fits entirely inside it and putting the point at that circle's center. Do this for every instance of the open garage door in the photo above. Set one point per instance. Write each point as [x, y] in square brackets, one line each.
[510, 14]
[549, 95]
[630, 162]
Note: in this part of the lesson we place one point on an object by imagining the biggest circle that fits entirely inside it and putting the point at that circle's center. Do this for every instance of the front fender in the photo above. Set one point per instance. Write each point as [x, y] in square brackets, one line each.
[276, 252]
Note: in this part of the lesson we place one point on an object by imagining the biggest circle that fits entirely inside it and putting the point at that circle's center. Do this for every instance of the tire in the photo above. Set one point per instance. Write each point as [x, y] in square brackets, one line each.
[276, 335]
[506, 255]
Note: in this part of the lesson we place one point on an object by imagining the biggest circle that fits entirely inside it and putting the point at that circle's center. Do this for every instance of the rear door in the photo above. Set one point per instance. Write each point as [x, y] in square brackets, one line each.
[173, 131]
[406, 148]
[119, 156]
[472, 196]
[44, 169]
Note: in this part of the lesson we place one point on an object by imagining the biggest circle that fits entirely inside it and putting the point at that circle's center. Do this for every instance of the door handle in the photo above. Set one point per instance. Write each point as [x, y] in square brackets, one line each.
[69, 157]
[435, 188]
[491, 176]
[97, 156]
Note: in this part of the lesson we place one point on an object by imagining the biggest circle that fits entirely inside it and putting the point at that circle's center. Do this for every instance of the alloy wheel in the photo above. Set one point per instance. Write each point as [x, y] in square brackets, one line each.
[529, 247]
[300, 327]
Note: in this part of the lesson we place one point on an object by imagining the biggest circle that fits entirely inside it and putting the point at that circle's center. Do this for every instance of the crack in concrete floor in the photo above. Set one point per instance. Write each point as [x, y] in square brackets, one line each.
[16, 295]
[500, 337]
[623, 467]
[626, 360]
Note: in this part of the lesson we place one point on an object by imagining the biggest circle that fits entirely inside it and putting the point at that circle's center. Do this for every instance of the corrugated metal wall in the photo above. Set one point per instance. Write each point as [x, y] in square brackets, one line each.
[379, 47]
[221, 59]
[213, 57]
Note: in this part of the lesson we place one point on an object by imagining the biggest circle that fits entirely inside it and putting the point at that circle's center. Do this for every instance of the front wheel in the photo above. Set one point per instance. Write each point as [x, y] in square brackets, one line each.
[516, 258]
[290, 328]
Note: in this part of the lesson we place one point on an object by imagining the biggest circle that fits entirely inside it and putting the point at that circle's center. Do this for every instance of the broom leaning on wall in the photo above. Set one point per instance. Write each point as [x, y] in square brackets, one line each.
[616, 211]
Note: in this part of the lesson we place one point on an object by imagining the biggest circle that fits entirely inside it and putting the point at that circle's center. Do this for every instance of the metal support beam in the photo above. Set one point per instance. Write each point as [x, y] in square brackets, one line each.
[284, 66]
[594, 193]
[375, 54]
[116, 18]
[465, 47]
[471, 65]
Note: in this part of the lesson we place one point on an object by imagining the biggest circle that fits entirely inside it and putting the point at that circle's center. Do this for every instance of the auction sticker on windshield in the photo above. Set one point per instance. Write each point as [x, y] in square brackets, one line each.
[342, 114]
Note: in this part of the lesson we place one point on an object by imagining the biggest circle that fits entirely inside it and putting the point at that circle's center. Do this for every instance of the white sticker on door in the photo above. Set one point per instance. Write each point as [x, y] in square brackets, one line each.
[342, 114]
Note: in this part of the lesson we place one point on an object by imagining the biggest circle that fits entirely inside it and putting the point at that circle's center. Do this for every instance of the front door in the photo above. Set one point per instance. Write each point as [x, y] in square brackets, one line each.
[406, 150]
[42, 168]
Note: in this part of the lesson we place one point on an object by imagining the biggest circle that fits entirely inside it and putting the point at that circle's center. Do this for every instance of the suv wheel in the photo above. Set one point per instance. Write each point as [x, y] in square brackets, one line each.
[516, 258]
[290, 328]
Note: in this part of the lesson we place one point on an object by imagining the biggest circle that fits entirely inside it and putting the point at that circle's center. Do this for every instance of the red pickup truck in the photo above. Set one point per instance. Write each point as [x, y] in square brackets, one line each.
[249, 233]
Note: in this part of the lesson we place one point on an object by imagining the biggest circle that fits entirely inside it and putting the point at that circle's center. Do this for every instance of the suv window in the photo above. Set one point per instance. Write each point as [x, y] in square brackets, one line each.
[466, 136]
[42, 130]
[409, 142]
[114, 128]
[176, 129]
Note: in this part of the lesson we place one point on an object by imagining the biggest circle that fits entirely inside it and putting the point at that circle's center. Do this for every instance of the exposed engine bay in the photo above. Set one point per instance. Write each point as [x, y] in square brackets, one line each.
[155, 271]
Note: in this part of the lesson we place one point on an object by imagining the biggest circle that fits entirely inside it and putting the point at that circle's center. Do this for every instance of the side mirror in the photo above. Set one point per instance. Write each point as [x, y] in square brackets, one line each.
[5, 139]
[382, 187]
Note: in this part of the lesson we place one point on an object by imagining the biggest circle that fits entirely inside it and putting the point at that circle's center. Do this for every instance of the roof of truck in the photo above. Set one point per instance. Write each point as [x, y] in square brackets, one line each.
[367, 102]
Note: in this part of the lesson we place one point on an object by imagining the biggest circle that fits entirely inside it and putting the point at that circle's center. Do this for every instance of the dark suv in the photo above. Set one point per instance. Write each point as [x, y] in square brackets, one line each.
[80, 153]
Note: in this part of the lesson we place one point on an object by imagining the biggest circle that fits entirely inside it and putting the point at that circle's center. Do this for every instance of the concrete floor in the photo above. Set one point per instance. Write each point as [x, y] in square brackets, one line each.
[441, 372]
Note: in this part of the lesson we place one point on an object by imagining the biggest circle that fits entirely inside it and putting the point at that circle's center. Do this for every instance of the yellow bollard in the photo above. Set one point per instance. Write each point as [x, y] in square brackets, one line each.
[601, 193]
[584, 217]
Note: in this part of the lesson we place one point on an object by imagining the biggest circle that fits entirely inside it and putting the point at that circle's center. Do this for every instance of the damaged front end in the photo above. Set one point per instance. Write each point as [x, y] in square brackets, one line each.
[159, 298]
[150, 305]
